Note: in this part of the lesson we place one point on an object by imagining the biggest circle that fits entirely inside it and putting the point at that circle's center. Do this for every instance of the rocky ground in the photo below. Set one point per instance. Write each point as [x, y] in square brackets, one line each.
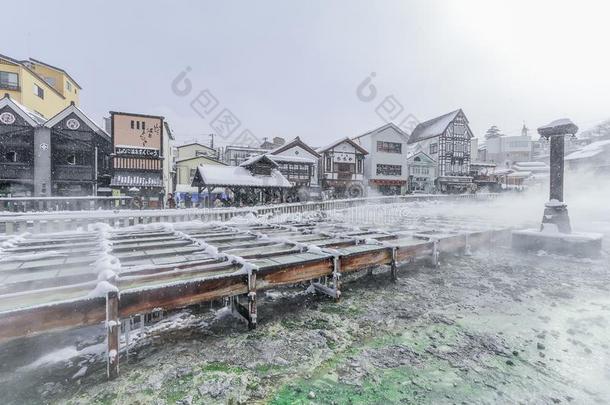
[494, 327]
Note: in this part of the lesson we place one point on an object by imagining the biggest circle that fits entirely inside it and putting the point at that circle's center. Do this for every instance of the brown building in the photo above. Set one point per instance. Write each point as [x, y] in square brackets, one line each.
[137, 164]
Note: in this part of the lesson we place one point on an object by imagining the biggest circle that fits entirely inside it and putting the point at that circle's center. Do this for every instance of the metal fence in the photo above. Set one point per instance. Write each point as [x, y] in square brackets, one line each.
[40, 222]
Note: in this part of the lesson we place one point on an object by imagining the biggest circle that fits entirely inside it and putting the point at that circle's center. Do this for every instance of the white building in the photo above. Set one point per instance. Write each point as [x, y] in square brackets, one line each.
[504, 151]
[385, 167]
[422, 173]
[446, 139]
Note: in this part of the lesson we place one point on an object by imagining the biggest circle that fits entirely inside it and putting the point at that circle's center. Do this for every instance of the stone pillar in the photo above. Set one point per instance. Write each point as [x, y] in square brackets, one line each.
[555, 216]
[42, 162]
[556, 161]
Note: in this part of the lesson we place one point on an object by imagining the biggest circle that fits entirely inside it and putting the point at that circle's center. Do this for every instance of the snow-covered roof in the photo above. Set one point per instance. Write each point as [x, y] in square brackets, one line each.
[531, 164]
[434, 127]
[295, 142]
[31, 117]
[346, 139]
[592, 149]
[73, 109]
[381, 128]
[215, 175]
[520, 174]
[294, 159]
[258, 158]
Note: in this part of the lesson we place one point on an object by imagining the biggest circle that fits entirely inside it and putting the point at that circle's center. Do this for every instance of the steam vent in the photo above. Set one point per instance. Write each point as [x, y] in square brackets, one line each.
[555, 234]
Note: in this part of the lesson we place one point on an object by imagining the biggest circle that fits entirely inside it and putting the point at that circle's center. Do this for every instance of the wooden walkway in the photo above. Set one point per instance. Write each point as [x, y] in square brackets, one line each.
[58, 281]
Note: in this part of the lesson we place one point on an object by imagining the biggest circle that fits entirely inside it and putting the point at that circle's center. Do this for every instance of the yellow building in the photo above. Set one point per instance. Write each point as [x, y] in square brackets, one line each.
[42, 88]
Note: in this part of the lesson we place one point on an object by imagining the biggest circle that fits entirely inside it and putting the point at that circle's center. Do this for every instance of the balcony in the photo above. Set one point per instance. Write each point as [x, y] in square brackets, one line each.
[16, 171]
[73, 173]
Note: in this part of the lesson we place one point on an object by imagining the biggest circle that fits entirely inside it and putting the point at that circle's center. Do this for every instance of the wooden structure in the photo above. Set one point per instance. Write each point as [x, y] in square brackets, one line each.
[67, 280]
[341, 168]
[257, 180]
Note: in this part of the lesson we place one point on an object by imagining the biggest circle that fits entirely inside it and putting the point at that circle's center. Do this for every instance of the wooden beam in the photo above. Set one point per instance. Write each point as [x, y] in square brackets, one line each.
[179, 295]
[52, 317]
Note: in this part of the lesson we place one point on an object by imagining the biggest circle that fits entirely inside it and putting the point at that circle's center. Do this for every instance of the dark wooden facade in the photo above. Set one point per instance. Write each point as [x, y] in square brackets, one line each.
[16, 155]
[80, 158]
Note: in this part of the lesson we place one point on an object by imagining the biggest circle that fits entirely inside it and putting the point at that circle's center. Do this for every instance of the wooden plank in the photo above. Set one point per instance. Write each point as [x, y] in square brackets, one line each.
[360, 261]
[295, 273]
[181, 294]
[53, 317]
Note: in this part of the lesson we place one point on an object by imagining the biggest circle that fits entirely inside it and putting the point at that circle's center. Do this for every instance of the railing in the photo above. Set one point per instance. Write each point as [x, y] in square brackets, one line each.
[65, 221]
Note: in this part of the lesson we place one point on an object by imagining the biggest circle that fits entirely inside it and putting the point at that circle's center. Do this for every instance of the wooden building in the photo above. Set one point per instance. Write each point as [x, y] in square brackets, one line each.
[298, 162]
[256, 181]
[341, 168]
[137, 164]
[67, 155]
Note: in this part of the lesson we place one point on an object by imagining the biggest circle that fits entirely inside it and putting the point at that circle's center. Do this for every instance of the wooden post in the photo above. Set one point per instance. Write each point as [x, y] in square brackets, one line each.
[252, 300]
[393, 265]
[435, 254]
[337, 277]
[113, 328]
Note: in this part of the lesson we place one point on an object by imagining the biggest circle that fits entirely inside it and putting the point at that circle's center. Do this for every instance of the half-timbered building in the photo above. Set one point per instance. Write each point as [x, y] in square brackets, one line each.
[446, 139]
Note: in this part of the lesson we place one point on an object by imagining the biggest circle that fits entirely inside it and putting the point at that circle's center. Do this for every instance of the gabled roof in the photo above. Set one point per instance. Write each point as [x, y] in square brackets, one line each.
[73, 109]
[26, 67]
[201, 157]
[257, 159]
[295, 142]
[413, 156]
[28, 115]
[346, 139]
[216, 175]
[434, 127]
[195, 143]
[381, 128]
[57, 69]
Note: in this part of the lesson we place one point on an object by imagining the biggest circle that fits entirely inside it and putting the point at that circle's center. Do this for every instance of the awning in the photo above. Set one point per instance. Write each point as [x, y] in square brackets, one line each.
[136, 180]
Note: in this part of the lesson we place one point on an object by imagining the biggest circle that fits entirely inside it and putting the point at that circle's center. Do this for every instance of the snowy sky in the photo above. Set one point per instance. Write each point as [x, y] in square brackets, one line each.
[287, 68]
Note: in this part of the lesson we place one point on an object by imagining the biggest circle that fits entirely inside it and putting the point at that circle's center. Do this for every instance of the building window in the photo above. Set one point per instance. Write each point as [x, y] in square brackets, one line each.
[389, 147]
[143, 125]
[71, 160]
[138, 124]
[328, 164]
[50, 80]
[359, 167]
[389, 170]
[38, 91]
[9, 80]
[433, 148]
[68, 85]
[11, 156]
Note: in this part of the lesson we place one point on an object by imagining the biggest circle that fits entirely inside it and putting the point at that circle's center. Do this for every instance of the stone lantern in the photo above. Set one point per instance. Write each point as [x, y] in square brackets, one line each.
[555, 234]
